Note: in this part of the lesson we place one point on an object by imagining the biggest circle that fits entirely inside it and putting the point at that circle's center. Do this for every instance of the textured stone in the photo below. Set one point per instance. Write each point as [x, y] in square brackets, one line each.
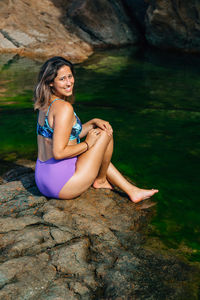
[33, 28]
[72, 259]
[75, 28]
[59, 290]
[8, 224]
[174, 24]
[70, 29]
[5, 43]
[101, 22]
[91, 247]
[16, 277]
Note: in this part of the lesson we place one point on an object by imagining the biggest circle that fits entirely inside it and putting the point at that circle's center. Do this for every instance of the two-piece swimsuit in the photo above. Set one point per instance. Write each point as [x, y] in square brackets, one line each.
[51, 175]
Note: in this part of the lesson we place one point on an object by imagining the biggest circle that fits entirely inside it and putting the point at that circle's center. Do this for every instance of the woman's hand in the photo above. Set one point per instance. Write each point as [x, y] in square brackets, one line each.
[92, 136]
[104, 125]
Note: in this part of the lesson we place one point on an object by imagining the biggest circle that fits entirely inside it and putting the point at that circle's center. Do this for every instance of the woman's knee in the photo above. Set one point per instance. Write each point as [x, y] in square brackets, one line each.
[105, 136]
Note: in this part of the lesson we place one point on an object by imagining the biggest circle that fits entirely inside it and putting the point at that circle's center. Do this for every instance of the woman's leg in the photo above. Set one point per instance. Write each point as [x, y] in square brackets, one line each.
[87, 168]
[101, 179]
[109, 174]
[135, 194]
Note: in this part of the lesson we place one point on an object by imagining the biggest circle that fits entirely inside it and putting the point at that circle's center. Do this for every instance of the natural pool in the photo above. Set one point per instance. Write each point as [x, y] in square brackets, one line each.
[152, 101]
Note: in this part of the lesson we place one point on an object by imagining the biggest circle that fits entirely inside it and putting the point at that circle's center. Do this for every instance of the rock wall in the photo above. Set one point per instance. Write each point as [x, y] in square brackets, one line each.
[75, 28]
[68, 28]
[174, 24]
[136, 10]
[100, 23]
[33, 28]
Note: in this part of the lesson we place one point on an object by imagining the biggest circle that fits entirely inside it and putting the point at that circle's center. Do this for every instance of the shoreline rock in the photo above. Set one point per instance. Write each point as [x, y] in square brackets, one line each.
[75, 29]
[172, 25]
[91, 247]
[43, 29]
[33, 29]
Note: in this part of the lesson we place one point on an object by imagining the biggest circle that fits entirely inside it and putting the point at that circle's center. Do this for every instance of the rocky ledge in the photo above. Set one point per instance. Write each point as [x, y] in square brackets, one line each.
[91, 247]
[71, 29]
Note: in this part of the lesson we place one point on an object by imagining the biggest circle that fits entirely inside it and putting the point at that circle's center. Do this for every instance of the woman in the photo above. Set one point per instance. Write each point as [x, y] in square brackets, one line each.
[65, 166]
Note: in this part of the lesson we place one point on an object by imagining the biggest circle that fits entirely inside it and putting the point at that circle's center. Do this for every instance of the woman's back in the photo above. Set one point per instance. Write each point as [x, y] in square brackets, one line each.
[45, 130]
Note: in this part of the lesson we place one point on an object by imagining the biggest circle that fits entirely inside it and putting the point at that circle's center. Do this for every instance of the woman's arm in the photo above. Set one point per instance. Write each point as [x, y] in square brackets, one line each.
[94, 123]
[63, 122]
[86, 127]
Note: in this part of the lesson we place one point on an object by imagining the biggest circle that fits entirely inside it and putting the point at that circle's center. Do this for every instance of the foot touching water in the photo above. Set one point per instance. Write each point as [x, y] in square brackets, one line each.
[136, 195]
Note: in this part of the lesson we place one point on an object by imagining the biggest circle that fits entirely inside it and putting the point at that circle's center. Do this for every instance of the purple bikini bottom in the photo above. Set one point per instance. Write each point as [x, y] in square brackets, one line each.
[51, 175]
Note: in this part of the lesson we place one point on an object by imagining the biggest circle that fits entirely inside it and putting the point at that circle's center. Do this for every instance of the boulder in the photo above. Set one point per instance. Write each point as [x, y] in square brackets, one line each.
[173, 24]
[33, 28]
[101, 23]
[91, 247]
[67, 28]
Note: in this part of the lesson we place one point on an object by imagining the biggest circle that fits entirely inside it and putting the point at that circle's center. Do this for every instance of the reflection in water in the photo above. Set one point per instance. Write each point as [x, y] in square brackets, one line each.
[152, 102]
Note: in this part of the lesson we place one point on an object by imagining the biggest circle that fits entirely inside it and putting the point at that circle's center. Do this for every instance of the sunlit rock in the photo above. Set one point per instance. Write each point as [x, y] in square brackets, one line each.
[89, 247]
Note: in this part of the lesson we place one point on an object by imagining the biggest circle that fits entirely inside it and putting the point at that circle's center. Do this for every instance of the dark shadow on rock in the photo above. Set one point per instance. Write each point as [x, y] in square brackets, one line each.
[24, 173]
[100, 23]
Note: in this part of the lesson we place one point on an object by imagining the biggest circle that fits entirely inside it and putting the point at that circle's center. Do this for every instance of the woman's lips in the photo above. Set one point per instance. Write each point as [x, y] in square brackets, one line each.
[68, 89]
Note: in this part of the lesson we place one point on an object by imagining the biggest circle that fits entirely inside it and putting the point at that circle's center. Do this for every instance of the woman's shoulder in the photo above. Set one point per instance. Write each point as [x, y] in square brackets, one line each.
[63, 107]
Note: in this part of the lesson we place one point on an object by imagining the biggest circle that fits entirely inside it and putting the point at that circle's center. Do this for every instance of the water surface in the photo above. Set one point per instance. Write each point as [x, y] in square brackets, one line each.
[152, 102]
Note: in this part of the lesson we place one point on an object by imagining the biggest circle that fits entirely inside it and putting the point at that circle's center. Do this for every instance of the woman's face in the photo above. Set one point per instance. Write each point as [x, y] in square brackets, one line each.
[63, 83]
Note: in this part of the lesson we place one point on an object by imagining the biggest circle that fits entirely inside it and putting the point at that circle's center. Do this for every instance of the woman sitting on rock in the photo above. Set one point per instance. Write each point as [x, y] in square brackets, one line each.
[66, 167]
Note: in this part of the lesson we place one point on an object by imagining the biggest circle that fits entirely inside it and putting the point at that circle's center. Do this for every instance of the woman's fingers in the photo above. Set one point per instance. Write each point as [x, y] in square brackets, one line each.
[107, 127]
[97, 131]
[103, 125]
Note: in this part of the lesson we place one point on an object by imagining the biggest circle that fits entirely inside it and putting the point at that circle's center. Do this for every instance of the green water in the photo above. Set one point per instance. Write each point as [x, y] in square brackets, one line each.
[152, 101]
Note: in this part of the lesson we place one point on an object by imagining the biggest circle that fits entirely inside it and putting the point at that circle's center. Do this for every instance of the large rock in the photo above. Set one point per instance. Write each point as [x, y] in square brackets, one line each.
[136, 10]
[67, 28]
[75, 28]
[33, 28]
[91, 247]
[101, 23]
[174, 24]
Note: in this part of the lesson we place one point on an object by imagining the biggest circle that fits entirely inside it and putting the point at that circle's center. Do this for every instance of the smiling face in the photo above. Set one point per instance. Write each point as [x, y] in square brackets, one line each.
[63, 83]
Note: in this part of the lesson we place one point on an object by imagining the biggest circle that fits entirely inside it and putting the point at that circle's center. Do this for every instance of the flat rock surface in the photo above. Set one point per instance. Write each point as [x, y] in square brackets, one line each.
[91, 247]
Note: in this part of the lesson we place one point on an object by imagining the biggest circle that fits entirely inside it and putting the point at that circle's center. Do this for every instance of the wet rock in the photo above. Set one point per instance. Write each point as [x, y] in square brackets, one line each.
[173, 24]
[85, 248]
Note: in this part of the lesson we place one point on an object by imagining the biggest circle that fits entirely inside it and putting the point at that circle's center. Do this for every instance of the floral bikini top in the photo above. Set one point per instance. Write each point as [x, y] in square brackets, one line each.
[47, 132]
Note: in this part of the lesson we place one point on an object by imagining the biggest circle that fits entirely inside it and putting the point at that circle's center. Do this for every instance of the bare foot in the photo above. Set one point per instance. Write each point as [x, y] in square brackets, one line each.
[136, 195]
[102, 184]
